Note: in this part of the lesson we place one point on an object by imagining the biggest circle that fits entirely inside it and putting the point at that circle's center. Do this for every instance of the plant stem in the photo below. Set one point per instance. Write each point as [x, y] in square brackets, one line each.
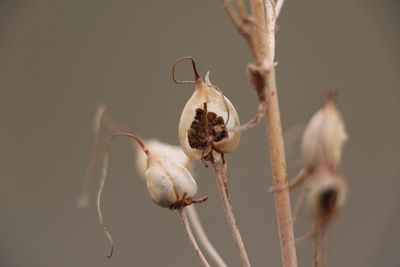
[266, 38]
[279, 173]
[219, 168]
[185, 222]
[202, 236]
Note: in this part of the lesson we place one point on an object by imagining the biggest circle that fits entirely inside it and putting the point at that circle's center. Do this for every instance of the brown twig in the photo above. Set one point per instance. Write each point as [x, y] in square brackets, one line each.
[185, 222]
[219, 168]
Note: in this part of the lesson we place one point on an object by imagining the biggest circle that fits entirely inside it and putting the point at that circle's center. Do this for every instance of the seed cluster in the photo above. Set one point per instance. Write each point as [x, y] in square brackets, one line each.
[327, 202]
[206, 128]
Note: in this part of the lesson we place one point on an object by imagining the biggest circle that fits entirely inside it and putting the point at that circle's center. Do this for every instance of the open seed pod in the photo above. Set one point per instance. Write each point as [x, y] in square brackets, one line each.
[208, 121]
[324, 136]
[326, 195]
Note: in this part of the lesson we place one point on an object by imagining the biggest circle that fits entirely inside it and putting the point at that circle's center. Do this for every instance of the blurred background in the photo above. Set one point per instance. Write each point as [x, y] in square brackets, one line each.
[60, 59]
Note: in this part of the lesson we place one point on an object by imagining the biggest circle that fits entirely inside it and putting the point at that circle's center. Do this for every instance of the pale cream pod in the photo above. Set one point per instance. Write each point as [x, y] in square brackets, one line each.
[170, 185]
[168, 182]
[175, 153]
[324, 137]
[208, 104]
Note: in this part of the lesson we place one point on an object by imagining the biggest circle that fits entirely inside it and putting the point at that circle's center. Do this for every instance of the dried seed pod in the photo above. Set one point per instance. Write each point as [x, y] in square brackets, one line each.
[324, 136]
[208, 120]
[169, 184]
[174, 153]
[326, 193]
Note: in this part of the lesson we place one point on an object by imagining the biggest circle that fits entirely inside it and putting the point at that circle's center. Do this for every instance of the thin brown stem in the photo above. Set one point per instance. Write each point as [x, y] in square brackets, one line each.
[257, 8]
[98, 204]
[83, 200]
[202, 236]
[306, 236]
[298, 204]
[186, 223]
[196, 74]
[101, 118]
[219, 167]
[299, 178]
[326, 246]
[257, 118]
[316, 244]
[135, 138]
[279, 173]
[244, 24]
[112, 125]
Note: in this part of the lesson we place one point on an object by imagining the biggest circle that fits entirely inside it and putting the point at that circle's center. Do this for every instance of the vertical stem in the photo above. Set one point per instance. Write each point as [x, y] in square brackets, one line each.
[257, 10]
[266, 38]
[202, 236]
[264, 15]
[326, 243]
[279, 172]
[316, 244]
[185, 222]
[219, 169]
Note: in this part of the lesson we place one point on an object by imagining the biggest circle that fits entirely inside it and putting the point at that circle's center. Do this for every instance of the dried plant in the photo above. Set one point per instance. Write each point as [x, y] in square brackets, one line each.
[209, 127]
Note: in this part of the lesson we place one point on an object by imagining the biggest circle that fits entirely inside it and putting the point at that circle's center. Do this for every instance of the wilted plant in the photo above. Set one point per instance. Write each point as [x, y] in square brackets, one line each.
[209, 127]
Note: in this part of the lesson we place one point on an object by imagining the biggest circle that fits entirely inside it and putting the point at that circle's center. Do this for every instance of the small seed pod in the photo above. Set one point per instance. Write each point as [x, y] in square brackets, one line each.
[324, 136]
[174, 153]
[169, 184]
[326, 195]
[208, 120]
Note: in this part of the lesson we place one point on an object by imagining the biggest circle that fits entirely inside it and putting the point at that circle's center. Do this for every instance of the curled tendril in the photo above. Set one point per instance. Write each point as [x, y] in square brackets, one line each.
[196, 74]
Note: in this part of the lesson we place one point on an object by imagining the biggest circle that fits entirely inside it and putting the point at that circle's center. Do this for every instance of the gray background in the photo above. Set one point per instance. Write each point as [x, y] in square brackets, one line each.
[59, 59]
